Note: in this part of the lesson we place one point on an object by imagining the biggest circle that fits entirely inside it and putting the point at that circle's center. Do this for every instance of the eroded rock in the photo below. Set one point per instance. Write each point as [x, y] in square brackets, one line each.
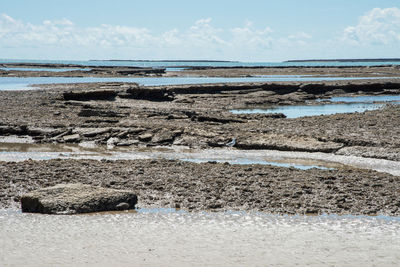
[77, 198]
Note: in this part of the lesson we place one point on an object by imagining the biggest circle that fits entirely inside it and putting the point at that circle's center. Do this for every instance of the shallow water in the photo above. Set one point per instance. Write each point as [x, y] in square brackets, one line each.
[313, 110]
[22, 83]
[23, 151]
[45, 69]
[301, 160]
[170, 238]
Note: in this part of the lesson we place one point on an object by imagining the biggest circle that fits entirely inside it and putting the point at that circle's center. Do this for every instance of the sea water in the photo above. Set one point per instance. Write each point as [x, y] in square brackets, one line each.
[177, 63]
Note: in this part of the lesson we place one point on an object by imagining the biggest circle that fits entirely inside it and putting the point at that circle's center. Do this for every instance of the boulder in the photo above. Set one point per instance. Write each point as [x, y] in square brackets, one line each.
[77, 198]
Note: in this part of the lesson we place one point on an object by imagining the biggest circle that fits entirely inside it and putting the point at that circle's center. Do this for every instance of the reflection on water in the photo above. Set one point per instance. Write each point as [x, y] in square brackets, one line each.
[182, 238]
[301, 160]
[25, 151]
[21, 83]
[313, 110]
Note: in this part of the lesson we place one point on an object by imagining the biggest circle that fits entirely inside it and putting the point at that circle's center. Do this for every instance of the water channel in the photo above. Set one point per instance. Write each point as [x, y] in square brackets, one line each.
[23, 83]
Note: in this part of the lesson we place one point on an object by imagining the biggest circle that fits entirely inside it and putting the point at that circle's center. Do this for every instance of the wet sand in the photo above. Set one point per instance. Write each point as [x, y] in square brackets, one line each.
[154, 238]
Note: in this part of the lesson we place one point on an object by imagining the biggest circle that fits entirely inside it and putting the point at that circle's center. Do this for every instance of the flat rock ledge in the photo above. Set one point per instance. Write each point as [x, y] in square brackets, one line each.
[77, 198]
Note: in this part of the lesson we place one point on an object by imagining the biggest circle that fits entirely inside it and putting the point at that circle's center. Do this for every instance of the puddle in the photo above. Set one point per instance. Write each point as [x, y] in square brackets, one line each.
[191, 238]
[313, 110]
[22, 83]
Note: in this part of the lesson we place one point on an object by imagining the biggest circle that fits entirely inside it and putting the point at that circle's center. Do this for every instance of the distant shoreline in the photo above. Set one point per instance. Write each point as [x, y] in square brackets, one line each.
[346, 60]
[175, 60]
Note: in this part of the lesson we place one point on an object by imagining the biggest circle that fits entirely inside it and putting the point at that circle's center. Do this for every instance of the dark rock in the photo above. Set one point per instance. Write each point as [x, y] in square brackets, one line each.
[77, 198]
[99, 113]
[217, 119]
[153, 94]
[34, 131]
[91, 95]
[4, 130]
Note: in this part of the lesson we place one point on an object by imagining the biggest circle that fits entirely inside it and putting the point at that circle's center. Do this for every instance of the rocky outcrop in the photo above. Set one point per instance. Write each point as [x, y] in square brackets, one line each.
[77, 198]
[90, 95]
[217, 186]
[286, 143]
[144, 93]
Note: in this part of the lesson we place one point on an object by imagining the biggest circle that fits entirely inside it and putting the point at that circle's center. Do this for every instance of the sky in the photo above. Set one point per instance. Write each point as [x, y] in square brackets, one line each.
[252, 30]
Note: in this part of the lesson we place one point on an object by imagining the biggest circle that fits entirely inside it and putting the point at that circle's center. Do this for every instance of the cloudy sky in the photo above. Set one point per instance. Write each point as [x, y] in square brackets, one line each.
[252, 30]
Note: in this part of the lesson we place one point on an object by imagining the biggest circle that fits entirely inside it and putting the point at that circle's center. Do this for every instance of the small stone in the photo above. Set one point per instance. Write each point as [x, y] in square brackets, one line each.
[71, 138]
[145, 137]
[122, 206]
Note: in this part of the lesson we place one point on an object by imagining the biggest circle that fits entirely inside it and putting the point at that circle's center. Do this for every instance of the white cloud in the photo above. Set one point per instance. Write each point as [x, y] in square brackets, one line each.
[378, 26]
[202, 40]
[203, 33]
[249, 37]
[15, 33]
[299, 35]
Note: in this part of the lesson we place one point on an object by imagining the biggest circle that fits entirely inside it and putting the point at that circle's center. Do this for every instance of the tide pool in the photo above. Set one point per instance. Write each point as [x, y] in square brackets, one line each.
[313, 110]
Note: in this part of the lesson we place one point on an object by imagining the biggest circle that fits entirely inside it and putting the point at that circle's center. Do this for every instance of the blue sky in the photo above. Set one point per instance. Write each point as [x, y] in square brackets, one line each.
[250, 30]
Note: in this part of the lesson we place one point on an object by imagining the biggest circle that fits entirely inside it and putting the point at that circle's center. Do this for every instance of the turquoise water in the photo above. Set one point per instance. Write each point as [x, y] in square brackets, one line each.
[21, 83]
[315, 110]
[155, 64]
